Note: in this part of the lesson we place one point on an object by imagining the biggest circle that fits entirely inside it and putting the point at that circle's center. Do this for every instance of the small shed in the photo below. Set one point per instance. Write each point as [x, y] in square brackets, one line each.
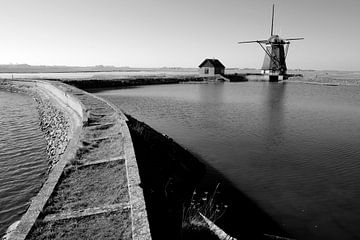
[211, 67]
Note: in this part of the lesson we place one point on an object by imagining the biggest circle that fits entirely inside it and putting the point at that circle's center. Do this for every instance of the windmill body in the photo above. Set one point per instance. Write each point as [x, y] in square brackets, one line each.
[275, 48]
[274, 60]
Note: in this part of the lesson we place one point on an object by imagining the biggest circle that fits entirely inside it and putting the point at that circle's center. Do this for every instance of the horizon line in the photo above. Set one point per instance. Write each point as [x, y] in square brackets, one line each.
[163, 67]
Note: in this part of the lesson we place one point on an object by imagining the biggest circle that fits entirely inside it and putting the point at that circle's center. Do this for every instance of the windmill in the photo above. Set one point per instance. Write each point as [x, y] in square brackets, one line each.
[276, 48]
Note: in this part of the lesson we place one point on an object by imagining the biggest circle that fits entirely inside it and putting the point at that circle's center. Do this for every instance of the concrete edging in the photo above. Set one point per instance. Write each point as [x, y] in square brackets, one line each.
[66, 98]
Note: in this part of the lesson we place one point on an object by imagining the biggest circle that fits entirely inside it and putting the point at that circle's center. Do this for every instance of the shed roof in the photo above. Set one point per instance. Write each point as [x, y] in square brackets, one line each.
[211, 63]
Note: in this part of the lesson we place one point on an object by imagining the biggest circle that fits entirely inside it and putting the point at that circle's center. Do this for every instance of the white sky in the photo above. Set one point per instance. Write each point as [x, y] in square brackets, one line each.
[157, 33]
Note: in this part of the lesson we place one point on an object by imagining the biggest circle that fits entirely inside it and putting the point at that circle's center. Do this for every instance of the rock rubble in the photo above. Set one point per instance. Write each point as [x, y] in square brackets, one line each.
[55, 124]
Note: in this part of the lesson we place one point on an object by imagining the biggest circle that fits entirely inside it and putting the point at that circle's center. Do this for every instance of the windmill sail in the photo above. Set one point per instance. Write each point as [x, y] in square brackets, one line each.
[272, 21]
[255, 41]
[286, 50]
[292, 39]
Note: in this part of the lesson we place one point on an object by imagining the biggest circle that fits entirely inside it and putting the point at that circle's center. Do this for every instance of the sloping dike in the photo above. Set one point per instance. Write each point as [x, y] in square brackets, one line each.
[127, 181]
[170, 174]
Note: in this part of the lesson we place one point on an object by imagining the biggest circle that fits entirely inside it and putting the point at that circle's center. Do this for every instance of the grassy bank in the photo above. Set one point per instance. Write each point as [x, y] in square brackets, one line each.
[127, 82]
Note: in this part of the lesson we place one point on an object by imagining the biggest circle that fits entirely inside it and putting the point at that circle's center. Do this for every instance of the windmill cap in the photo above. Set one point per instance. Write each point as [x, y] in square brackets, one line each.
[276, 39]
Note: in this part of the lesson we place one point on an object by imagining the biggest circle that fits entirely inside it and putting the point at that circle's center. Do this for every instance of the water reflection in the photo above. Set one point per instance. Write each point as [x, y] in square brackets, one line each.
[208, 111]
[274, 117]
[212, 93]
[292, 148]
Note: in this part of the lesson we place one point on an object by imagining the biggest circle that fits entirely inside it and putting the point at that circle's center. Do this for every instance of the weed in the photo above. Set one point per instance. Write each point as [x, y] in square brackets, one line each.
[206, 205]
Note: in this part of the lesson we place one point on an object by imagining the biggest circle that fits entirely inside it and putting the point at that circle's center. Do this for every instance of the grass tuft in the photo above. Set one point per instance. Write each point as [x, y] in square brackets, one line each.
[205, 204]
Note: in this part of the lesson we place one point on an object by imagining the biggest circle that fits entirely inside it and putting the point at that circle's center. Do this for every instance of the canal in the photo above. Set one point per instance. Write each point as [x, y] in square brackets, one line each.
[292, 148]
[23, 160]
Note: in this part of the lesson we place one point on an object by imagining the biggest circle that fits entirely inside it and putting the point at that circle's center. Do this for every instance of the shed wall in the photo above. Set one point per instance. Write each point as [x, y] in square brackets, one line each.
[210, 73]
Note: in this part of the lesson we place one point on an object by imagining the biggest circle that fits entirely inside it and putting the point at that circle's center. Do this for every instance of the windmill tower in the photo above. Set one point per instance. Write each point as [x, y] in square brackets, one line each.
[275, 48]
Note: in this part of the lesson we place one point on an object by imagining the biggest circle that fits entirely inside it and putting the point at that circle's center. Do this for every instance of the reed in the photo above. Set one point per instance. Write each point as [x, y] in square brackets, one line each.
[204, 204]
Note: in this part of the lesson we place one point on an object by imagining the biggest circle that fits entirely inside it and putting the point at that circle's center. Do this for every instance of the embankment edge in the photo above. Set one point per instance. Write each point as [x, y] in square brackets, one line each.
[72, 108]
[77, 114]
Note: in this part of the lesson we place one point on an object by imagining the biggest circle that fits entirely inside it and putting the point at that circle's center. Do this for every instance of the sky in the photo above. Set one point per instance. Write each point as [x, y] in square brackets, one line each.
[177, 33]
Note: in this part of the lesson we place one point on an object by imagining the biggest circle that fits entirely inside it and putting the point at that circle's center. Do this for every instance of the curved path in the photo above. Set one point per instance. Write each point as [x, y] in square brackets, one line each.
[93, 192]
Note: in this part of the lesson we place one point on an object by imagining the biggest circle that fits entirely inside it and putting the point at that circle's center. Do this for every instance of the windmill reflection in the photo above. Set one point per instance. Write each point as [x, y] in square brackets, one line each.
[274, 106]
[211, 98]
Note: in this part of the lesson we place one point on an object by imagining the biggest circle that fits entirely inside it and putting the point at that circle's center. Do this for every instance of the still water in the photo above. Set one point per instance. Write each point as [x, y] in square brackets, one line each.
[293, 148]
[22, 156]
